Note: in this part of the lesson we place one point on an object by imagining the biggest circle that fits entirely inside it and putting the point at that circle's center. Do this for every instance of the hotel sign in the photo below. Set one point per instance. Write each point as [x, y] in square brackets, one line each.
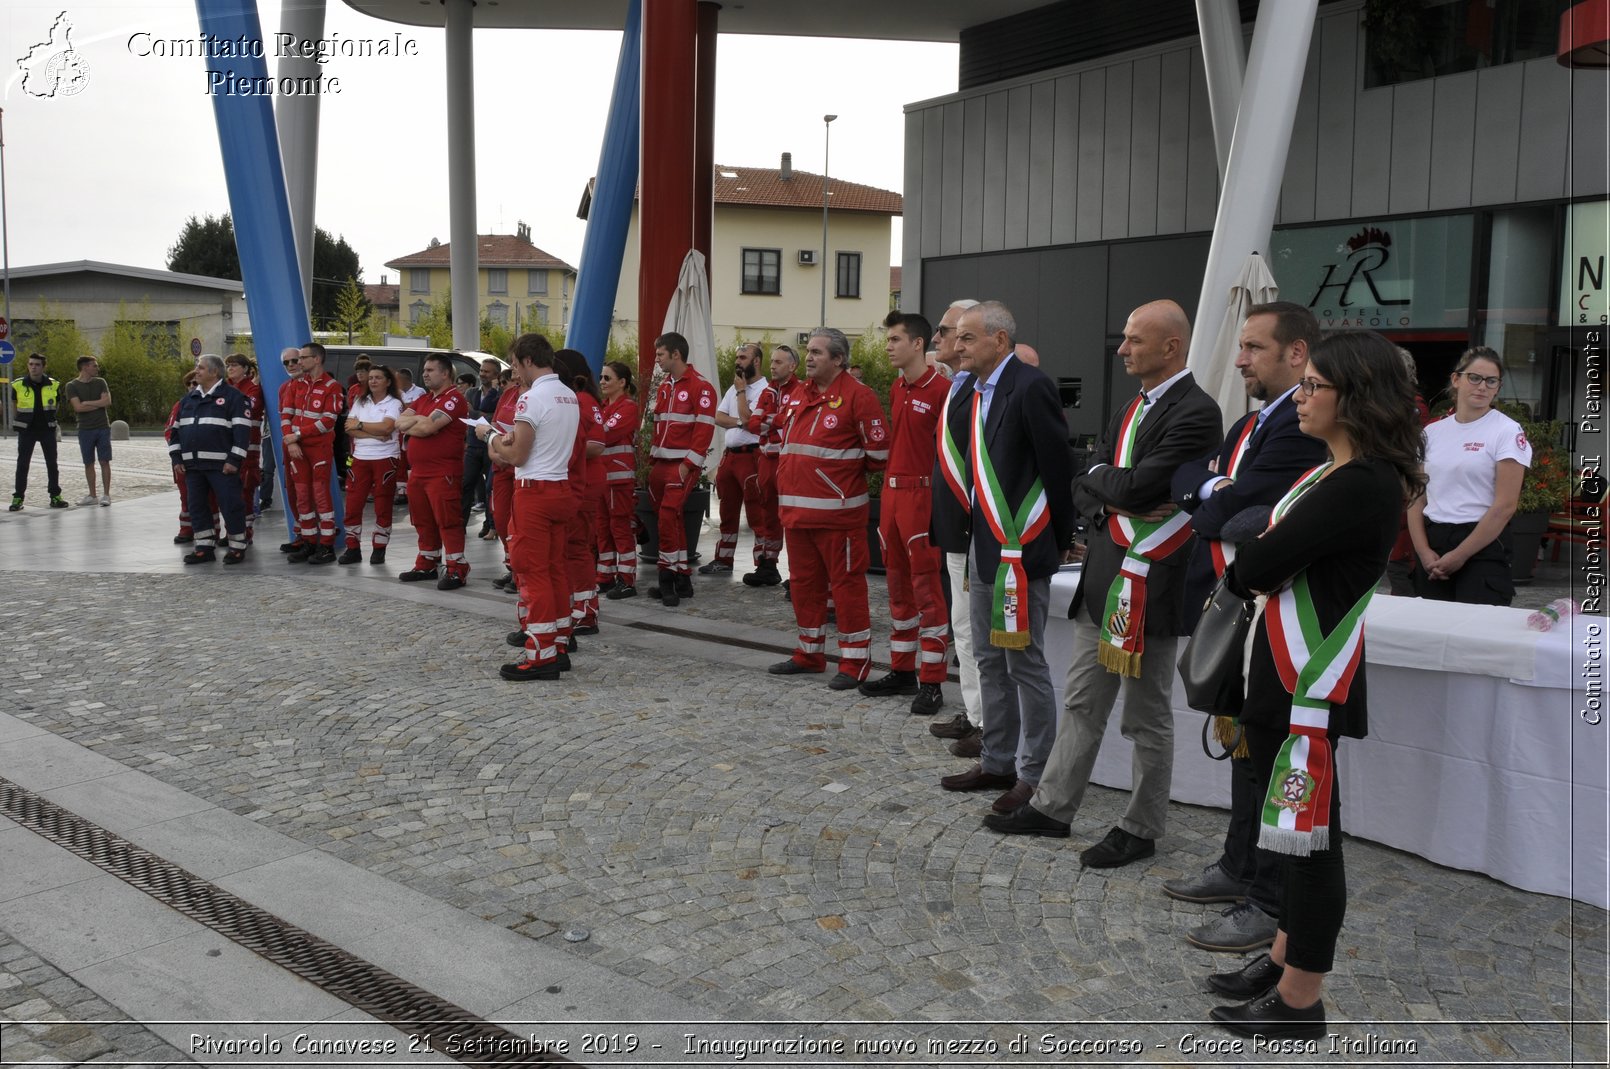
[1584, 300]
[1407, 274]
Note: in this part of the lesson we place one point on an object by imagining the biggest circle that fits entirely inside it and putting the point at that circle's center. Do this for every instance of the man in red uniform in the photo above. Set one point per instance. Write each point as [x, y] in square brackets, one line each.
[435, 426]
[291, 360]
[837, 435]
[767, 421]
[920, 639]
[738, 479]
[684, 422]
[238, 368]
[309, 408]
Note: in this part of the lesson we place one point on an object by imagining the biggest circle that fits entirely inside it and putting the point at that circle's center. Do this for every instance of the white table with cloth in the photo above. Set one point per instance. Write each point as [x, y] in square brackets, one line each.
[1478, 756]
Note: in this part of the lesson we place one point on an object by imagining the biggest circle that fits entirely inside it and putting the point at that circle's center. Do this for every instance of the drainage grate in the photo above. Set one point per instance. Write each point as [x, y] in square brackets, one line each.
[355, 981]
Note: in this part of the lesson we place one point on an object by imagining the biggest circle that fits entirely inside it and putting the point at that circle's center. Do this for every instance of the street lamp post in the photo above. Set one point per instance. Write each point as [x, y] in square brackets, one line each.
[827, 144]
[5, 267]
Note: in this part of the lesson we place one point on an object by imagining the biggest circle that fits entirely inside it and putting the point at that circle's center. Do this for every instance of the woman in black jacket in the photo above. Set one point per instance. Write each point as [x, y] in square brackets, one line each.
[1314, 571]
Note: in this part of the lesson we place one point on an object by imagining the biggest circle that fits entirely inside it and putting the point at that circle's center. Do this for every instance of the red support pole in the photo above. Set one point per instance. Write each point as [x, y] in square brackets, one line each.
[670, 34]
[704, 133]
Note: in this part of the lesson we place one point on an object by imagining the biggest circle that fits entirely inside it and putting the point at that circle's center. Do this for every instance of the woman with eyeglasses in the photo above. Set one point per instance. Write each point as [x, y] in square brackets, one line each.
[1313, 572]
[617, 494]
[1475, 461]
[376, 451]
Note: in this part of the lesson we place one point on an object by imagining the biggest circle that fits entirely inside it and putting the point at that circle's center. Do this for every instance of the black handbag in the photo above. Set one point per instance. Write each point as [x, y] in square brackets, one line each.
[1211, 666]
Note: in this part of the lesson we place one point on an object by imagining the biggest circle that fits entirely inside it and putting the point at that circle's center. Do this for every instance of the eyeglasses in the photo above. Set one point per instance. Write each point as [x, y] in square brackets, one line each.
[1308, 386]
[1492, 382]
[290, 363]
[944, 332]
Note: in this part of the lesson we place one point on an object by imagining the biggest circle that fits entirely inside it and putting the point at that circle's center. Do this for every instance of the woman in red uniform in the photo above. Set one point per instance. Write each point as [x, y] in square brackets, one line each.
[617, 494]
[503, 476]
[242, 373]
[586, 475]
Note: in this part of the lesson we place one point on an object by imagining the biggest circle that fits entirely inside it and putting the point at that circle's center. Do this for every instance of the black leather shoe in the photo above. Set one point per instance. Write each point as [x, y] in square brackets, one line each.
[586, 629]
[571, 645]
[971, 746]
[235, 556]
[765, 574]
[957, 727]
[1250, 981]
[322, 555]
[198, 556]
[417, 575]
[527, 671]
[1118, 848]
[351, 555]
[377, 555]
[715, 567]
[562, 659]
[620, 592]
[792, 667]
[684, 586]
[515, 638]
[1269, 1017]
[183, 539]
[929, 700]
[1026, 820]
[449, 582]
[292, 547]
[890, 685]
[976, 779]
[843, 681]
[301, 554]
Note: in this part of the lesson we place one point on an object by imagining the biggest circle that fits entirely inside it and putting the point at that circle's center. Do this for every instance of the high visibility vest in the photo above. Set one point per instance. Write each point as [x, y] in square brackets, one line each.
[24, 394]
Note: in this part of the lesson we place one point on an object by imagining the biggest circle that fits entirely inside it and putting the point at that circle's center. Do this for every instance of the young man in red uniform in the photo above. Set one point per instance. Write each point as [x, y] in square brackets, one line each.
[309, 408]
[920, 639]
[435, 426]
[684, 423]
[837, 435]
[767, 421]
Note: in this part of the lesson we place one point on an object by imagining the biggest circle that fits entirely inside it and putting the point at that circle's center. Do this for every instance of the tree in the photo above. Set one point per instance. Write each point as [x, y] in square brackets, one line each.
[351, 309]
[206, 246]
[334, 264]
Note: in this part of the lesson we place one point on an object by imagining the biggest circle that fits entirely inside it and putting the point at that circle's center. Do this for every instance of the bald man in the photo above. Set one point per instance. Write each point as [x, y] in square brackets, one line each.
[1028, 354]
[1128, 610]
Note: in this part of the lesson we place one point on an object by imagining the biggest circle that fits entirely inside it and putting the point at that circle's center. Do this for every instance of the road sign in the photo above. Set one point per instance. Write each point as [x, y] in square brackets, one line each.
[5, 329]
[8, 352]
[195, 346]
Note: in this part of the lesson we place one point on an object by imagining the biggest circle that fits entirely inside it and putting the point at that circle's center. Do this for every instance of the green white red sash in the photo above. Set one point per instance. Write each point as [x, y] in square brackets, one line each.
[1317, 670]
[1220, 551]
[1009, 618]
[952, 460]
[1123, 623]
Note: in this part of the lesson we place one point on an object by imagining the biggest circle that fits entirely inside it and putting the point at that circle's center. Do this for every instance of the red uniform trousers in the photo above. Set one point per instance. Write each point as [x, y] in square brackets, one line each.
[769, 536]
[669, 484]
[819, 558]
[251, 477]
[370, 476]
[580, 564]
[310, 480]
[433, 502]
[617, 542]
[503, 507]
[539, 514]
[916, 600]
[738, 486]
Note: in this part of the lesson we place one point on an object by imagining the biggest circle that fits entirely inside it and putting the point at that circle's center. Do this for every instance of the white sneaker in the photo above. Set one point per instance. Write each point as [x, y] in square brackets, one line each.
[88, 499]
[106, 500]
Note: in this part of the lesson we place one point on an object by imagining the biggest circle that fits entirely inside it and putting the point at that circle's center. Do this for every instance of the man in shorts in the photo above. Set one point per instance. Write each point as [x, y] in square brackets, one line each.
[91, 399]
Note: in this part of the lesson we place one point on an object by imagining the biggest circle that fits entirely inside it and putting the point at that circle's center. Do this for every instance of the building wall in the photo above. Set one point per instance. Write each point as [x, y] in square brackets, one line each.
[797, 307]
[95, 302]
[561, 288]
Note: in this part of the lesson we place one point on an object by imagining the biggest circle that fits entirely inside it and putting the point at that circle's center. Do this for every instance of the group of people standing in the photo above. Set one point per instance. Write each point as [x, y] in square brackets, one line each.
[35, 403]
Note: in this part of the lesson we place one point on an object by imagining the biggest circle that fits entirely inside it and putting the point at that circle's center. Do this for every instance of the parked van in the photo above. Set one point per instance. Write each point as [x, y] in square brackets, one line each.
[339, 360]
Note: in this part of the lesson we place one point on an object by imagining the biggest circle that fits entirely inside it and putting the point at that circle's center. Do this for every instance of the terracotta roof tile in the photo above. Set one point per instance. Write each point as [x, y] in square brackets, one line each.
[382, 296]
[493, 250]
[766, 187]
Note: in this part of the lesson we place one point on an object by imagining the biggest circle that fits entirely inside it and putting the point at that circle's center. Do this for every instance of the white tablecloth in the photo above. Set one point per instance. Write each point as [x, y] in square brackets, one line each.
[1477, 758]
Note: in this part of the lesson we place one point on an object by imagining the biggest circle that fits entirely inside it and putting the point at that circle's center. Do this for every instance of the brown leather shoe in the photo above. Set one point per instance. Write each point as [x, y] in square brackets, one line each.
[971, 746]
[976, 779]
[1018, 795]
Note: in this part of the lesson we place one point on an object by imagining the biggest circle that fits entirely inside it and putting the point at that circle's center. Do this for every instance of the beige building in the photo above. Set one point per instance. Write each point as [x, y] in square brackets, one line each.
[94, 296]
[766, 253]
[516, 282]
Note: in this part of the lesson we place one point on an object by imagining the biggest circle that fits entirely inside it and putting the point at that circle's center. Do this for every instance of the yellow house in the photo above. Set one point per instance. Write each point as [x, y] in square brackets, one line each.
[766, 255]
[516, 282]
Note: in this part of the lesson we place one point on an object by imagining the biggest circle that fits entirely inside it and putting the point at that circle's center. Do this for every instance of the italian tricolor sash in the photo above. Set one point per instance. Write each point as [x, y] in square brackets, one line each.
[952, 461]
[1009, 619]
[1317, 670]
[1221, 552]
[1123, 623]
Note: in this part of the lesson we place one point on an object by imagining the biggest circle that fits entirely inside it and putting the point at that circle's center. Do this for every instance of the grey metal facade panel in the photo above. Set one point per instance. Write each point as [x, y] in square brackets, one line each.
[1173, 139]
[1590, 134]
[1453, 141]
[1497, 149]
[1015, 221]
[1092, 152]
[1042, 163]
[1338, 94]
[952, 178]
[996, 117]
[911, 222]
[1372, 153]
[1545, 130]
[971, 169]
[1297, 185]
[1065, 163]
[1145, 115]
[1410, 127]
[1115, 151]
[933, 157]
[1202, 167]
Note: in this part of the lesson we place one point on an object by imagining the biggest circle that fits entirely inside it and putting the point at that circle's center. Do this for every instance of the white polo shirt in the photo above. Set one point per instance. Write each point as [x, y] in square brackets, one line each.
[739, 435]
[1462, 464]
[368, 410]
[551, 409]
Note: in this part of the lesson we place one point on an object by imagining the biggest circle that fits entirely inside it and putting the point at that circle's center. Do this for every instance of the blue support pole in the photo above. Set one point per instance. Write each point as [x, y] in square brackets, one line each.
[261, 212]
[598, 278]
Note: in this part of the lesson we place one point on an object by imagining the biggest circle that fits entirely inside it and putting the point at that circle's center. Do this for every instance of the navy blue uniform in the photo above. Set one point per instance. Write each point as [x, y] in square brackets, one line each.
[212, 431]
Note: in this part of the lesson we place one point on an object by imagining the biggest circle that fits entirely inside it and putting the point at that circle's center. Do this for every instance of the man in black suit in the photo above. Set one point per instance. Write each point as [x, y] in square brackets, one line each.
[1018, 475]
[1131, 592]
[1262, 456]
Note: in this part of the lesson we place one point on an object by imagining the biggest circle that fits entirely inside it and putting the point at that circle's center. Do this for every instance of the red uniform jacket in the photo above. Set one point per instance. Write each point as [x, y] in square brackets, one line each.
[254, 412]
[620, 433]
[310, 407]
[769, 417]
[684, 419]
[834, 438]
[914, 412]
[587, 473]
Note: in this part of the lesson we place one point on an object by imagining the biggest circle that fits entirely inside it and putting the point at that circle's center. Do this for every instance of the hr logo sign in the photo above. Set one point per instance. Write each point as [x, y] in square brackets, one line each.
[1368, 251]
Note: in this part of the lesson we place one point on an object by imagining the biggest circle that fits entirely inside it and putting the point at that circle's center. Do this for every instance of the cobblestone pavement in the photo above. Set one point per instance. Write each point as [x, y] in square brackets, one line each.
[140, 468]
[64, 1022]
[763, 848]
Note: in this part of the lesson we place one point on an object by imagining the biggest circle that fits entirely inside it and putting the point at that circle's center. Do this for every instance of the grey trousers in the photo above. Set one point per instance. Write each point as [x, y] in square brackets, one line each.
[1020, 705]
[1147, 722]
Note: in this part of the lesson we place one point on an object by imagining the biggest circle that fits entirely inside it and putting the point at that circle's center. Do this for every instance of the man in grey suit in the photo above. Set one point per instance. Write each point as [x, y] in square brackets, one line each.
[1018, 477]
[1127, 611]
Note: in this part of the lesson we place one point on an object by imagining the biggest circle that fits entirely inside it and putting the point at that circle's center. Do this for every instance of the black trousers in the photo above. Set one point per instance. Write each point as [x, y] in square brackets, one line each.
[477, 472]
[225, 490]
[1263, 871]
[46, 440]
[1486, 578]
[1314, 901]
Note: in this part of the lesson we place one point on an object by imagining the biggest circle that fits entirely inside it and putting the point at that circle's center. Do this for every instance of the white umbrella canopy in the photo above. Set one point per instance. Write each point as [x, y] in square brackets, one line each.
[1214, 368]
[689, 316]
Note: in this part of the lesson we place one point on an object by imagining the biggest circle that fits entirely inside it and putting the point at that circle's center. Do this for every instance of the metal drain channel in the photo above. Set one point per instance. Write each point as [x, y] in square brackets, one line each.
[746, 643]
[353, 980]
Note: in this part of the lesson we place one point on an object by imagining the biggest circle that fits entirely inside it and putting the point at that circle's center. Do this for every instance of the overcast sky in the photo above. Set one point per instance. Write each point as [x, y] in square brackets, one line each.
[112, 172]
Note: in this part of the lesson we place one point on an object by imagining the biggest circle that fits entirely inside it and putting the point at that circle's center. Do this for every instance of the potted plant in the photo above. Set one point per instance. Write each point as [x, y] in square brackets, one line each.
[1545, 488]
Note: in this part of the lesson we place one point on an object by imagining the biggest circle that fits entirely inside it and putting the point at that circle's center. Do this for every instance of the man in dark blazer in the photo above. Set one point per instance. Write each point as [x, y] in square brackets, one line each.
[1264, 453]
[1171, 422]
[1025, 444]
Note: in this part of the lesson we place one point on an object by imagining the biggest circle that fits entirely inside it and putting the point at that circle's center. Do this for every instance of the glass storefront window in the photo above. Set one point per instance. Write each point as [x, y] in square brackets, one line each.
[1406, 40]
[1515, 316]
